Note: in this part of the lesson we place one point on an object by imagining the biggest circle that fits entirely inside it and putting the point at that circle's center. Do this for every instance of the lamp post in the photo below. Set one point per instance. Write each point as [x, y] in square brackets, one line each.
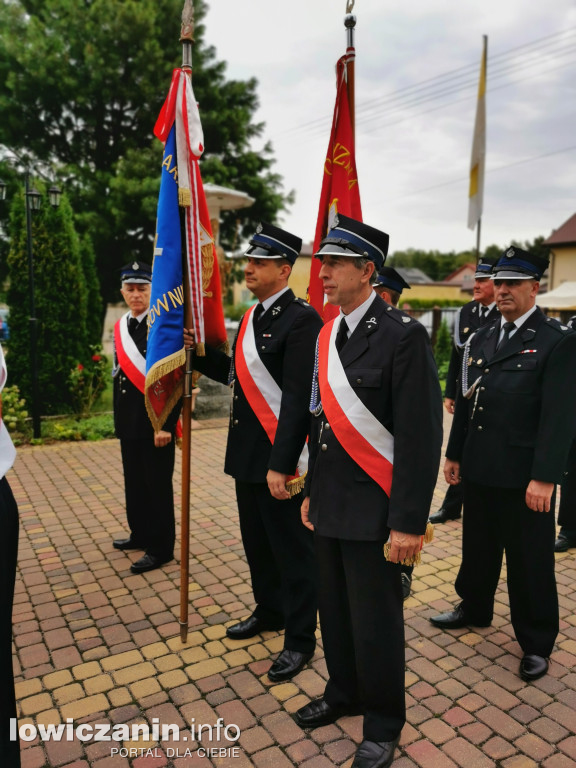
[33, 200]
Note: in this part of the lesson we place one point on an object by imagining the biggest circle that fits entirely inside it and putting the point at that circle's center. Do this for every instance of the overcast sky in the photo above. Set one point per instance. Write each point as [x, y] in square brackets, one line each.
[413, 144]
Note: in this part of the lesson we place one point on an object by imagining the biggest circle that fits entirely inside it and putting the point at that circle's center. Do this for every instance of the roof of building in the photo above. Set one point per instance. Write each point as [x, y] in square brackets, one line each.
[413, 275]
[565, 234]
[459, 273]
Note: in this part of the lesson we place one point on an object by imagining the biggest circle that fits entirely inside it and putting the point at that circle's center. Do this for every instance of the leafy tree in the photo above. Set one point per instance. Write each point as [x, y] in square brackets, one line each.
[60, 298]
[435, 264]
[81, 85]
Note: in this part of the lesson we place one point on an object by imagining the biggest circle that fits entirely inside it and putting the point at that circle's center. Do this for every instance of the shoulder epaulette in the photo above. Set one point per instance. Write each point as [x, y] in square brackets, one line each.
[302, 302]
[401, 317]
[557, 325]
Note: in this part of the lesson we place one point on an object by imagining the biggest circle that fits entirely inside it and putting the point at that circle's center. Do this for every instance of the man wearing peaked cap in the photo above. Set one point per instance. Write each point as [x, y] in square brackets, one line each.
[389, 284]
[512, 430]
[271, 374]
[147, 457]
[481, 310]
[369, 486]
[567, 508]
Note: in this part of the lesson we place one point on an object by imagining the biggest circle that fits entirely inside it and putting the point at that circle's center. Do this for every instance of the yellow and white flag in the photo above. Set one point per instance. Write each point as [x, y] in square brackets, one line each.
[476, 193]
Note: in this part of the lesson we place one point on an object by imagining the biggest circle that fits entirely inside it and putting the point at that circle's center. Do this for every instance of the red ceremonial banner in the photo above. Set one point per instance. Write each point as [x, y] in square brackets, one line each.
[340, 191]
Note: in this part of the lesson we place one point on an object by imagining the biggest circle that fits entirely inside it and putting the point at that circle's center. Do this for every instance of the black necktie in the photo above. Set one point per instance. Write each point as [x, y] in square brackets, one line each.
[342, 335]
[258, 312]
[133, 324]
[483, 312]
[509, 326]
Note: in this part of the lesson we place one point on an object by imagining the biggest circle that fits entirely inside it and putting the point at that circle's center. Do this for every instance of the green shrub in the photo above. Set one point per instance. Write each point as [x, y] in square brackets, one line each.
[235, 311]
[14, 413]
[443, 349]
[87, 382]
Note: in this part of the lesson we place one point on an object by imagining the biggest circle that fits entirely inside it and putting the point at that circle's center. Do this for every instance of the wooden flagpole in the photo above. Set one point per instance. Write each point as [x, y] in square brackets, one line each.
[186, 38]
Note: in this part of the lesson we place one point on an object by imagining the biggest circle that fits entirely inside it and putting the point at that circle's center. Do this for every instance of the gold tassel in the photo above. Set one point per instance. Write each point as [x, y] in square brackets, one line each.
[184, 198]
[296, 485]
[414, 560]
[200, 349]
[429, 535]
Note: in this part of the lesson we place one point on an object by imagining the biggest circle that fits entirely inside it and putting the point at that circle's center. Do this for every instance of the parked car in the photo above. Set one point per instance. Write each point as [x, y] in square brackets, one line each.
[4, 327]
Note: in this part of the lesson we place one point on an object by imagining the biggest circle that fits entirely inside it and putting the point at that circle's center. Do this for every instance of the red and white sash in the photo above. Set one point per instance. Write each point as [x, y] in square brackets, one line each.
[358, 431]
[130, 359]
[262, 392]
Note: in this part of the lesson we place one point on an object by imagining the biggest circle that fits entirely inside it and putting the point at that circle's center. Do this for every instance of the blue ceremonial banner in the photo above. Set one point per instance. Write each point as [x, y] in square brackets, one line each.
[165, 354]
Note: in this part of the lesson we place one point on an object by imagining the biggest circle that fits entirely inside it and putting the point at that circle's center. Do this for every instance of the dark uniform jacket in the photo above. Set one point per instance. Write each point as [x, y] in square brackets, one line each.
[131, 420]
[468, 321]
[519, 423]
[388, 361]
[285, 339]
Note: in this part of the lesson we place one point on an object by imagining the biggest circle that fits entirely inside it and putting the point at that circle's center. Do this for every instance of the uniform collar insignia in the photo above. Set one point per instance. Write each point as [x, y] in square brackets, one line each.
[276, 310]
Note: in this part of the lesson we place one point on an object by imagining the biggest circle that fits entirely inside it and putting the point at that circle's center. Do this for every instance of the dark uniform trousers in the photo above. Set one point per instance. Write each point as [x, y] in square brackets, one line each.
[517, 426]
[9, 750]
[498, 521]
[149, 494]
[147, 470]
[361, 615]
[272, 532]
[567, 506]
[279, 549]
[389, 364]
[469, 321]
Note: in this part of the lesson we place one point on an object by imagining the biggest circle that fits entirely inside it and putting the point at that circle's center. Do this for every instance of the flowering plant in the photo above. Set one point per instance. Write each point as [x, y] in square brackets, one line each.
[87, 382]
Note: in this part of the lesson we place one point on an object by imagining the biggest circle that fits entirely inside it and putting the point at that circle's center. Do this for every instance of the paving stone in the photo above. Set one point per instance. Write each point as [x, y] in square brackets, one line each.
[98, 644]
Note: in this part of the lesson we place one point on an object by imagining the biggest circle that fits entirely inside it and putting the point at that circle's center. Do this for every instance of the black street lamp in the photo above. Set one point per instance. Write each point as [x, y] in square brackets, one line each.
[33, 202]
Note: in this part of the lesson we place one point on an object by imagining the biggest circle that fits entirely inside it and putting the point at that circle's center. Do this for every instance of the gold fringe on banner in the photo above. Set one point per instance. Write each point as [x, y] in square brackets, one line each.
[415, 559]
[296, 485]
[184, 198]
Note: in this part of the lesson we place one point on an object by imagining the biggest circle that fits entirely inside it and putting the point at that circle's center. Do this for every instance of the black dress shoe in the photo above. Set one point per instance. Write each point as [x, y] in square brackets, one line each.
[375, 754]
[406, 586]
[532, 667]
[318, 712]
[456, 619]
[563, 543]
[250, 627]
[126, 544]
[288, 664]
[149, 563]
[443, 515]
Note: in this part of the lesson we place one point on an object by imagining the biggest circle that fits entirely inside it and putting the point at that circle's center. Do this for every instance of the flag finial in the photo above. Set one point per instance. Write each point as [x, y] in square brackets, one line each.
[187, 31]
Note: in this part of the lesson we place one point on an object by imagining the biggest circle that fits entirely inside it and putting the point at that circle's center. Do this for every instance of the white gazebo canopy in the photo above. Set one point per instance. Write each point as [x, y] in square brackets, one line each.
[562, 297]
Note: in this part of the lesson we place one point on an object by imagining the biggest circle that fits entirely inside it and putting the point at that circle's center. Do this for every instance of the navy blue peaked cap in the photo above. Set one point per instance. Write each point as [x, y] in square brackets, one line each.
[352, 238]
[136, 272]
[517, 264]
[390, 278]
[485, 266]
[270, 242]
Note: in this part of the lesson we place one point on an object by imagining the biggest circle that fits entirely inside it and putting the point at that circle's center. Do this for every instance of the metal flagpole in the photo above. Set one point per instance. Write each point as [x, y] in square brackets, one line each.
[186, 38]
[350, 24]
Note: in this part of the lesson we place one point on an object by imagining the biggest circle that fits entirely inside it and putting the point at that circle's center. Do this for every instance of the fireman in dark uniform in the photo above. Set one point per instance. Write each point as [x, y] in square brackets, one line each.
[470, 317]
[567, 508]
[279, 550]
[512, 430]
[389, 285]
[147, 457]
[370, 486]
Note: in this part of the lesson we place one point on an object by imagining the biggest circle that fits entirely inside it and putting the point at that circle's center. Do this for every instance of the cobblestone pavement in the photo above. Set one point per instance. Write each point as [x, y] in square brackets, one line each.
[96, 644]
